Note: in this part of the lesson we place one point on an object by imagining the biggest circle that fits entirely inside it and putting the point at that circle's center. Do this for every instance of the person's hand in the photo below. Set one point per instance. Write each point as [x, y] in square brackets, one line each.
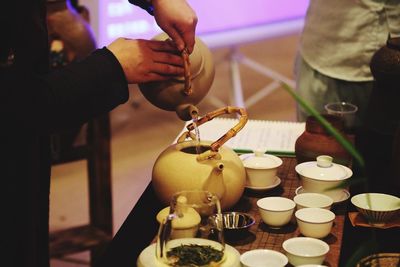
[146, 61]
[178, 20]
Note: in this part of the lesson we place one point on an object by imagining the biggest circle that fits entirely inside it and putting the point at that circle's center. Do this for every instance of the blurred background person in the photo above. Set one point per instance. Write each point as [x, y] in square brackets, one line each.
[336, 46]
[36, 103]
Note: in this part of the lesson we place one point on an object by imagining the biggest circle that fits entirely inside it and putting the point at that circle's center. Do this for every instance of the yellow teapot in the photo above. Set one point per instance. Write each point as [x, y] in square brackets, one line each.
[194, 165]
[183, 93]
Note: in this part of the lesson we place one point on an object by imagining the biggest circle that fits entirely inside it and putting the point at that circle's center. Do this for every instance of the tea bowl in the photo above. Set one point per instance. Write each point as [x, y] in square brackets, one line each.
[263, 257]
[312, 200]
[305, 250]
[323, 176]
[315, 222]
[377, 208]
[276, 211]
[261, 169]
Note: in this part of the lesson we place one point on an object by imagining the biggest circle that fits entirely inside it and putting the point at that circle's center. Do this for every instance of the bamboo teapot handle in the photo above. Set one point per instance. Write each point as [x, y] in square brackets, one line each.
[223, 139]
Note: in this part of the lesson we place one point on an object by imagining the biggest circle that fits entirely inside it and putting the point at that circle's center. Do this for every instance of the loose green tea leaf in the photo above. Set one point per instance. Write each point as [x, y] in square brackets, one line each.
[194, 255]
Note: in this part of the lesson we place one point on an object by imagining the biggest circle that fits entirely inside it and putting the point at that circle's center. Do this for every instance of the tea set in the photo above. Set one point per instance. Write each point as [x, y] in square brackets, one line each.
[199, 180]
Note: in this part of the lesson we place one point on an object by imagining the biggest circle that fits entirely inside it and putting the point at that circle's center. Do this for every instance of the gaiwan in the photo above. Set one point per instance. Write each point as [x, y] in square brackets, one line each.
[202, 165]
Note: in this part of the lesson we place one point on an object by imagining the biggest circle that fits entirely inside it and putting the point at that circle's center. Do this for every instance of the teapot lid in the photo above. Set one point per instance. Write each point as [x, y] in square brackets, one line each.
[260, 160]
[190, 218]
[323, 169]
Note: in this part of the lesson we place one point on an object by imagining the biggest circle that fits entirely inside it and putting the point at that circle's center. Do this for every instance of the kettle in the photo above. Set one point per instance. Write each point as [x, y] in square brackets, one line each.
[181, 94]
[202, 165]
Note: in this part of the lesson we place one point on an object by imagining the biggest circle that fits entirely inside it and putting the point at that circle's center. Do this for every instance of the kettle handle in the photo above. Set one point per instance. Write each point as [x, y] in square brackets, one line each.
[187, 90]
[231, 133]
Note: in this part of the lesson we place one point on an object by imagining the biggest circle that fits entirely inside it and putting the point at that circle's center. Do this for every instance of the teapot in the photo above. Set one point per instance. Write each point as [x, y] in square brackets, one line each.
[181, 94]
[202, 165]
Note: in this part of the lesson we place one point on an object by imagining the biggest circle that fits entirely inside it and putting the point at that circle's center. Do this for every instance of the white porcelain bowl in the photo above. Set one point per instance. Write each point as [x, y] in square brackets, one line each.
[312, 265]
[261, 169]
[263, 258]
[377, 208]
[322, 175]
[315, 222]
[313, 200]
[305, 250]
[276, 211]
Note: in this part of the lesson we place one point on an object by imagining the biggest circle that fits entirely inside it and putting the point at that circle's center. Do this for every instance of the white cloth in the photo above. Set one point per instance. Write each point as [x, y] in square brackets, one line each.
[340, 36]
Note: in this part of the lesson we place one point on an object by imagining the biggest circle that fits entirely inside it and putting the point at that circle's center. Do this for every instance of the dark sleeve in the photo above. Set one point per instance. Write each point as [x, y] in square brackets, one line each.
[143, 4]
[64, 98]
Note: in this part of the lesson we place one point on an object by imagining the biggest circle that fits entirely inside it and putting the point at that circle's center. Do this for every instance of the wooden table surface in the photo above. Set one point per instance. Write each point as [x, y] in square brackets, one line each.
[140, 227]
[261, 236]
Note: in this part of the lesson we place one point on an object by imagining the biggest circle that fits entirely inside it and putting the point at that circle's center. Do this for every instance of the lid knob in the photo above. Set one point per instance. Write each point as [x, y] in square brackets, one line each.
[259, 153]
[324, 161]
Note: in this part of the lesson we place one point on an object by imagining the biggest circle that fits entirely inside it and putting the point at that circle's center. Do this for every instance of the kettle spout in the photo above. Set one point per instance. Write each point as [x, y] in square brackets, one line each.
[215, 182]
[187, 112]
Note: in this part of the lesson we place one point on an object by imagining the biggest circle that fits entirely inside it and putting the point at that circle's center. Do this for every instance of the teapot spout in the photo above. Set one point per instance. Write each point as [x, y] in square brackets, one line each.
[187, 112]
[215, 182]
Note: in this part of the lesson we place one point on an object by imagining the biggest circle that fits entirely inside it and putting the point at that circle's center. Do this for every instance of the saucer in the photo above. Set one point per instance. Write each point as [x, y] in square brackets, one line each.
[262, 188]
[147, 257]
[341, 198]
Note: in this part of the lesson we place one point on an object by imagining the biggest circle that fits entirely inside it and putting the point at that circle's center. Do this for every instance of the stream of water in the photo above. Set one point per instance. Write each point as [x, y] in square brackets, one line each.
[197, 134]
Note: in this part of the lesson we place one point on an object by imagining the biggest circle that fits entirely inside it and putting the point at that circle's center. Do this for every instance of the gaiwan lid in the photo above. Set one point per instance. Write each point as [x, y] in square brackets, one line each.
[188, 217]
[260, 160]
[323, 169]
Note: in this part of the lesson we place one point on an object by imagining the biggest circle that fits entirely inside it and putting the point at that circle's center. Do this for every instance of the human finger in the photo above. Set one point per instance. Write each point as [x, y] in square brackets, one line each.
[167, 45]
[168, 58]
[189, 39]
[176, 37]
[154, 76]
[167, 69]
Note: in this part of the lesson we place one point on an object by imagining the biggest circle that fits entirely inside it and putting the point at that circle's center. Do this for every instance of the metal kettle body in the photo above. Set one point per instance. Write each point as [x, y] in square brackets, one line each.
[171, 94]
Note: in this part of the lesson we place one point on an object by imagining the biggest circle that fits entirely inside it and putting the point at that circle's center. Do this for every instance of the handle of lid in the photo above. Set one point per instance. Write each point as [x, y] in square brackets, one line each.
[324, 161]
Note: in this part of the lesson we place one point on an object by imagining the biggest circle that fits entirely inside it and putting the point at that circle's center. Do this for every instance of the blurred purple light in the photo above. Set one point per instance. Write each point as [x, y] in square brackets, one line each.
[117, 18]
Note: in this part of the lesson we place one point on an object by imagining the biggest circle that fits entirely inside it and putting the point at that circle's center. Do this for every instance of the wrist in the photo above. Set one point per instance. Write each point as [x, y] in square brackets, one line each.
[56, 5]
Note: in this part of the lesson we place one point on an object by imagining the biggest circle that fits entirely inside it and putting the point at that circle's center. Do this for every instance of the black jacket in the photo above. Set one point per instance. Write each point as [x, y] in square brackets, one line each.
[33, 104]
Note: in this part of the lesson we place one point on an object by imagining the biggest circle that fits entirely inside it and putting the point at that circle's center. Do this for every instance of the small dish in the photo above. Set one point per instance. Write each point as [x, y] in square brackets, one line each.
[343, 196]
[236, 221]
[147, 257]
[264, 188]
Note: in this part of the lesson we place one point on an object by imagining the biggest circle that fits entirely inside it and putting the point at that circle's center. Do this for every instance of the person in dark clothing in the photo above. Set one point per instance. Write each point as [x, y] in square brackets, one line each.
[36, 103]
